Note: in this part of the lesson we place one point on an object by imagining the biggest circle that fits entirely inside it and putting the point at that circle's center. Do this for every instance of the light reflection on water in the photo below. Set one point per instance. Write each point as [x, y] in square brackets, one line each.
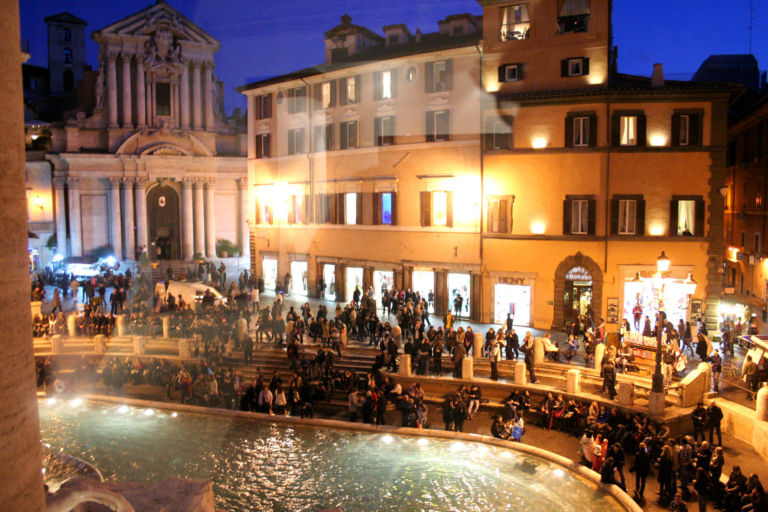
[266, 467]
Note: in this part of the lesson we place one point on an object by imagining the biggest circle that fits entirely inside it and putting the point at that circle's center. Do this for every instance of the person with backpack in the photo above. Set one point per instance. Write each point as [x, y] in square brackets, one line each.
[609, 378]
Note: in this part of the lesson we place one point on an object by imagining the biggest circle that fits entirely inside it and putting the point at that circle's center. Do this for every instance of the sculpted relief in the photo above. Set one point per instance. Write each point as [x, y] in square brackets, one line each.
[161, 54]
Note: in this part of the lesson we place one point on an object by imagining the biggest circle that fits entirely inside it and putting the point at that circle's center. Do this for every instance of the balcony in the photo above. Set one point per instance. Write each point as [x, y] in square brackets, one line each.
[573, 24]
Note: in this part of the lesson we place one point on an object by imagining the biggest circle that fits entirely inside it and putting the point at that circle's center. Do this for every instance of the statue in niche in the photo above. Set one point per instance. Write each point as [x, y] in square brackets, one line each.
[100, 91]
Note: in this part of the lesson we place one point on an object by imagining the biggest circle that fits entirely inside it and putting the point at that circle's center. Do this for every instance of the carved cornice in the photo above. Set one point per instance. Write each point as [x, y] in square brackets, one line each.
[73, 182]
[59, 183]
[242, 183]
[115, 182]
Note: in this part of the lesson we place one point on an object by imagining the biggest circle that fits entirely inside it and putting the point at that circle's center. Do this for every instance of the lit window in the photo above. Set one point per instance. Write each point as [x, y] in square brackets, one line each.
[500, 214]
[348, 135]
[325, 94]
[627, 216]
[351, 89]
[573, 16]
[510, 72]
[628, 130]
[515, 23]
[579, 216]
[439, 208]
[686, 217]
[575, 67]
[350, 208]
[386, 208]
[386, 85]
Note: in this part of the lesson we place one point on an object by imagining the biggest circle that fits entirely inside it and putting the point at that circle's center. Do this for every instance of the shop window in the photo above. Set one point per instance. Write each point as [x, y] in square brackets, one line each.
[579, 213]
[573, 16]
[297, 99]
[385, 84]
[296, 141]
[348, 135]
[262, 146]
[384, 130]
[511, 72]
[323, 139]
[437, 208]
[686, 128]
[438, 123]
[263, 106]
[439, 76]
[575, 66]
[349, 88]
[628, 215]
[515, 23]
[628, 128]
[499, 133]
[686, 216]
[500, 214]
[581, 129]
[325, 95]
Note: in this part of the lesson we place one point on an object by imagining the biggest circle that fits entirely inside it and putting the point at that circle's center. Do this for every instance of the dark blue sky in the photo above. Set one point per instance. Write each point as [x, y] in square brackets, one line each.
[262, 38]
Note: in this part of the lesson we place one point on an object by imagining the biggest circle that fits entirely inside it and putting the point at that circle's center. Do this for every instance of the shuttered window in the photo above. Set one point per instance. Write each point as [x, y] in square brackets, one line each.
[437, 208]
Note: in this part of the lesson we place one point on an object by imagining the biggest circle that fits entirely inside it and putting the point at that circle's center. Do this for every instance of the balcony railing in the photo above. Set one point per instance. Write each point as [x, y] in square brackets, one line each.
[515, 31]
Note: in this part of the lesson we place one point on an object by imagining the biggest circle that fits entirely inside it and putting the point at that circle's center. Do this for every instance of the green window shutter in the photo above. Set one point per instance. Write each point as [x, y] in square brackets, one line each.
[430, 131]
[503, 73]
[449, 209]
[614, 216]
[615, 126]
[394, 208]
[592, 130]
[377, 90]
[673, 216]
[376, 208]
[592, 216]
[585, 66]
[393, 81]
[567, 213]
[449, 75]
[359, 212]
[640, 217]
[695, 129]
[564, 68]
[426, 208]
[429, 71]
[569, 120]
[641, 124]
[675, 135]
[700, 229]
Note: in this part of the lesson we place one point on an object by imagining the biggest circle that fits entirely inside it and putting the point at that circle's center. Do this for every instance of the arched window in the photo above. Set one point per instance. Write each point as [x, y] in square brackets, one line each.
[66, 56]
[66, 35]
[68, 80]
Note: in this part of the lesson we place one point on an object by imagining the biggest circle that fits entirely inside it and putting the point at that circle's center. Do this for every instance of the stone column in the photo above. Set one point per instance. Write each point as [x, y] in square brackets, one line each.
[61, 216]
[141, 96]
[197, 96]
[141, 214]
[187, 219]
[210, 219]
[116, 238]
[75, 242]
[245, 242]
[208, 82]
[185, 95]
[127, 100]
[112, 89]
[22, 481]
[129, 234]
[199, 224]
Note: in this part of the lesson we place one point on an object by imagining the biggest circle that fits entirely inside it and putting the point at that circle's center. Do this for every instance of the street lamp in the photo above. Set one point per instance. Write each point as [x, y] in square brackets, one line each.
[657, 396]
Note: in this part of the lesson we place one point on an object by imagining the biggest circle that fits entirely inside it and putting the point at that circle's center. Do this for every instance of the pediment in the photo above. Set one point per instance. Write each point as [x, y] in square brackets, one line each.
[163, 142]
[158, 17]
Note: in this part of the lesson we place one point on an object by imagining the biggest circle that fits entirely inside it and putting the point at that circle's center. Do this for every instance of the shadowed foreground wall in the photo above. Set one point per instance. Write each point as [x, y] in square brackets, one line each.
[21, 482]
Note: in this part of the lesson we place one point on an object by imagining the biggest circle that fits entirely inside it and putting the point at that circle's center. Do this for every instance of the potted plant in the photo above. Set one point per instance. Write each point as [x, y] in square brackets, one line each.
[225, 248]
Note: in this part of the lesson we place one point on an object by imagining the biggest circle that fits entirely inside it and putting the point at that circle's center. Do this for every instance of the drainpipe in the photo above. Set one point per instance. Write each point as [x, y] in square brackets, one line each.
[607, 184]
[482, 177]
[311, 170]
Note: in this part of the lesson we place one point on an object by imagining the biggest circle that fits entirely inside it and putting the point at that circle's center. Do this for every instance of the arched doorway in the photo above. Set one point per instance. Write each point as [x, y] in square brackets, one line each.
[578, 289]
[163, 219]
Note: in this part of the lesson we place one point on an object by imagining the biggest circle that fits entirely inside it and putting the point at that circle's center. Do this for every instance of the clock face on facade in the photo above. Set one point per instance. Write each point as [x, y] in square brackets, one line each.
[411, 74]
[161, 201]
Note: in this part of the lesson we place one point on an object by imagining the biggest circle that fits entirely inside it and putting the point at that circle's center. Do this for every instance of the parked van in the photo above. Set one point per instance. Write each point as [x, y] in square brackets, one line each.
[193, 293]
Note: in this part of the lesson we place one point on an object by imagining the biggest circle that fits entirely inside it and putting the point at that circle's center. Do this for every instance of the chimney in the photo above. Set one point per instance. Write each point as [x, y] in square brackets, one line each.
[418, 35]
[657, 78]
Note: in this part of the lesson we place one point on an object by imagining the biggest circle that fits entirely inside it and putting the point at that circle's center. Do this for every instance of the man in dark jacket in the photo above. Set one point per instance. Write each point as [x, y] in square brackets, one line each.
[609, 378]
[717, 367]
[699, 418]
[714, 417]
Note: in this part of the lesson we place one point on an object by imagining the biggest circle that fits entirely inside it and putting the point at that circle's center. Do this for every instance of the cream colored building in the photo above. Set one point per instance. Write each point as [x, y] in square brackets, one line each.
[556, 182]
[149, 163]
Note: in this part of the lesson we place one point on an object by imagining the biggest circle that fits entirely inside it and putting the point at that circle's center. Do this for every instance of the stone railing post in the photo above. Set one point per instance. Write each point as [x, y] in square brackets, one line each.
[477, 345]
[521, 375]
[538, 350]
[120, 323]
[405, 365]
[138, 345]
[72, 325]
[761, 404]
[184, 349]
[467, 369]
[56, 344]
[573, 381]
[626, 393]
[599, 353]
[166, 327]
[99, 347]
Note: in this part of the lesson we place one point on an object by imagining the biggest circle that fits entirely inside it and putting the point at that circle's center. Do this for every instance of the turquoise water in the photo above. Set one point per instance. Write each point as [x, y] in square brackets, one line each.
[266, 467]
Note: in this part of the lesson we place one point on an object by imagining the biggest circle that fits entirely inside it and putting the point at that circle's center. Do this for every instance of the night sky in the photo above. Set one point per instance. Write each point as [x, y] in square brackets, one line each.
[263, 38]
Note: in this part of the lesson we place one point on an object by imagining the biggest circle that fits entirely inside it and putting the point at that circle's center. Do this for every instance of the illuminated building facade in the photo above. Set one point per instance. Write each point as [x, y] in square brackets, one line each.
[502, 158]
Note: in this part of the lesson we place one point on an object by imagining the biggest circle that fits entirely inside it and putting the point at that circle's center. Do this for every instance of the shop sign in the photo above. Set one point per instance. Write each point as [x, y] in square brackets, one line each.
[578, 274]
[513, 280]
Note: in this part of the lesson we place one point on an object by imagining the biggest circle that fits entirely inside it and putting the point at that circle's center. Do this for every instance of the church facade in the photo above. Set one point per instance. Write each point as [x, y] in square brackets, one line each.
[148, 161]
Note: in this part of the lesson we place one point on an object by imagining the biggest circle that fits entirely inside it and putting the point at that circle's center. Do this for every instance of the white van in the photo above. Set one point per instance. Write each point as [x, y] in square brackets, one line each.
[193, 293]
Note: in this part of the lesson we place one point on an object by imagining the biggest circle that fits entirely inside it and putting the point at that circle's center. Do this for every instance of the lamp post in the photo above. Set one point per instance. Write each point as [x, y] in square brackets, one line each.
[657, 395]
